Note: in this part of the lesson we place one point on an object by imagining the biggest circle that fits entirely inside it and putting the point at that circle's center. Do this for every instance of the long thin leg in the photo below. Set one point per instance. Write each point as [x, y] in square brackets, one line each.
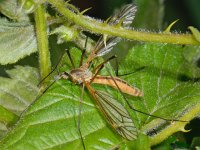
[39, 96]
[83, 52]
[96, 73]
[117, 70]
[117, 67]
[70, 58]
[99, 67]
[52, 70]
[79, 117]
[138, 69]
[131, 107]
[82, 56]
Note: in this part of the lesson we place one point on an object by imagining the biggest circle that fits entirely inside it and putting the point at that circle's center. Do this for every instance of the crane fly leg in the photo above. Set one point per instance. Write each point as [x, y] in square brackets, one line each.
[79, 116]
[97, 68]
[70, 57]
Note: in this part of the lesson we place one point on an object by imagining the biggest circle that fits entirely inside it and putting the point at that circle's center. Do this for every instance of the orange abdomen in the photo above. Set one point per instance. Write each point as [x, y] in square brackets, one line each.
[123, 85]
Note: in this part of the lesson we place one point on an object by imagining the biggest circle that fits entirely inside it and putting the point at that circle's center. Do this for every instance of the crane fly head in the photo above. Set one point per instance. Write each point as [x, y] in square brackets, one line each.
[79, 75]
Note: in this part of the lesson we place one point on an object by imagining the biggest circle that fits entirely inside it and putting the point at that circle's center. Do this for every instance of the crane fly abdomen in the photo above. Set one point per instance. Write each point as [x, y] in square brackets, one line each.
[123, 85]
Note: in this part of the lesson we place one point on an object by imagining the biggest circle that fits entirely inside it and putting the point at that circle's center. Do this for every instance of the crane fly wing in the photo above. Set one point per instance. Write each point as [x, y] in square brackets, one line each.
[126, 16]
[116, 115]
[101, 49]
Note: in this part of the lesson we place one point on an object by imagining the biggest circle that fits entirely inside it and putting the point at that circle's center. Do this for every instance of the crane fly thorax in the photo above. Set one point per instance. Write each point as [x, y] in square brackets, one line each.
[80, 75]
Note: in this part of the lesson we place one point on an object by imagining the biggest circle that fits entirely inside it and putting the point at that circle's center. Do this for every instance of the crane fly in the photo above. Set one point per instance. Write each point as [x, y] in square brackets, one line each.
[116, 115]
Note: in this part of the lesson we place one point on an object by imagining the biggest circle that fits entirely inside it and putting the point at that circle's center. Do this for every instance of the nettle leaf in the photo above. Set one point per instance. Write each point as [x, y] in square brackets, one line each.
[17, 41]
[52, 121]
[16, 94]
[167, 83]
[155, 56]
[192, 55]
[13, 10]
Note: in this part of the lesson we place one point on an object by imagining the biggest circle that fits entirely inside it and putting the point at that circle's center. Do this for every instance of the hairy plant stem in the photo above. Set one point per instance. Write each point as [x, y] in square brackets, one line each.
[175, 126]
[42, 42]
[102, 28]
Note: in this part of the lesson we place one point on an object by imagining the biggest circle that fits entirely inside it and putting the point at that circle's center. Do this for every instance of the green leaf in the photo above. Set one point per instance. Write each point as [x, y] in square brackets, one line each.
[139, 144]
[65, 33]
[167, 83]
[51, 122]
[175, 60]
[16, 94]
[192, 56]
[17, 41]
[3, 130]
[13, 10]
[195, 143]
[7, 117]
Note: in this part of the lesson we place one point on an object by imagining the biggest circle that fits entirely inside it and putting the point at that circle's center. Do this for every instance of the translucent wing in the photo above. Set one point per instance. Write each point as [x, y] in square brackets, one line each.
[101, 49]
[116, 114]
[126, 16]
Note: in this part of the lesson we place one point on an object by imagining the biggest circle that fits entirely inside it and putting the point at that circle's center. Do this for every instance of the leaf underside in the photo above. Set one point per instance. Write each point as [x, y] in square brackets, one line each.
[16, 94]
[17, 41]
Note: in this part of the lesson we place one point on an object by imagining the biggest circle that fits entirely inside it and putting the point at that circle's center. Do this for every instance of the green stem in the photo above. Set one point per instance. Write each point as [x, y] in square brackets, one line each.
[103, 28]
[7, 117]
[42, 41]
[175, 126]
